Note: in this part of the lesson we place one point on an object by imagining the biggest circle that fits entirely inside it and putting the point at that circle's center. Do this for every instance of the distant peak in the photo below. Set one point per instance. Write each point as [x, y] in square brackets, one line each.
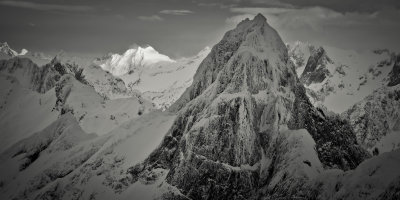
[23, 52]
[5, 48]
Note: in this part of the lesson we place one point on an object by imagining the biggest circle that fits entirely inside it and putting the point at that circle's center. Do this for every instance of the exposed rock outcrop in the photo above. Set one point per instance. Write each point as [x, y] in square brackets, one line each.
[394, 75]
[315, 70]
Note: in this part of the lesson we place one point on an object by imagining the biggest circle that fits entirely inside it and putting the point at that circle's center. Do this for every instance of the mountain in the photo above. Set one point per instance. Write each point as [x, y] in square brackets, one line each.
[132, 60]
[337, 78]
[245, 128]
[361, 85]
[52, 90]
[6, 51]
[158, 78]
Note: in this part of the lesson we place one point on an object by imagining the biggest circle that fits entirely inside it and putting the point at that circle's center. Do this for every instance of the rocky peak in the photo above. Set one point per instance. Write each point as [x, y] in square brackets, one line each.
[251, 41]
[231, 131]
[5, 48]
[260, 18]
[315, 70]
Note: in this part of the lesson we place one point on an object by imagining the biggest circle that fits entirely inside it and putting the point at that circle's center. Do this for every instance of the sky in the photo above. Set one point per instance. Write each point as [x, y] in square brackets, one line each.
[181, 28]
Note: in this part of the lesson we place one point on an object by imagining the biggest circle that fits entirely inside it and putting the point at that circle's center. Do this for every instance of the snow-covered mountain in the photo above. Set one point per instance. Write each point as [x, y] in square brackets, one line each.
[159, 78]
[244, 129]
[337, 78]
[132, 60]
[362, 85]
[52, 90]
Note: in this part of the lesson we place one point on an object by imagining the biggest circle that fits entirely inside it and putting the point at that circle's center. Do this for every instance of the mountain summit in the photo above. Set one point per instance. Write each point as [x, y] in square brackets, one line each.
[132, 60]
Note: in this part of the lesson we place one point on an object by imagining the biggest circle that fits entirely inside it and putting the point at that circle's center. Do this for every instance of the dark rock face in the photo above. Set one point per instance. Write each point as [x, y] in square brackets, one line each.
[337, 144]
[229, 122]
[315, 70]
[394, 75]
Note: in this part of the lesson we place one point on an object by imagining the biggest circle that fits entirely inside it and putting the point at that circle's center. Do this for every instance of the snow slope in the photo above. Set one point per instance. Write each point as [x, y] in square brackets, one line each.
[74, 164]
[95, 113]
[107, 84]
[376, 178]
[23, 111]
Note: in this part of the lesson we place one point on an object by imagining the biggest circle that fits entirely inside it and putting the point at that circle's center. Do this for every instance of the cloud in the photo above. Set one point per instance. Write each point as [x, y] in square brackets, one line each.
[46, 7]
[152, 18]
[220, 5]
[343, 6]
[315, 18]
[321, 25]
[176, 12]
[242, 3]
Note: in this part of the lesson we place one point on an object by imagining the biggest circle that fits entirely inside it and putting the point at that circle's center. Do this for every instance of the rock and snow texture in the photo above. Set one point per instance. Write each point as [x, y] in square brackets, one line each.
[6, 51]
[23, 111]
[376, 120]
[107, 84]
[157, 77]
[375, 178]
[95, 113]
[243, 125]
[64, 162]
[32, 97]
[362, 85]
[337, 78]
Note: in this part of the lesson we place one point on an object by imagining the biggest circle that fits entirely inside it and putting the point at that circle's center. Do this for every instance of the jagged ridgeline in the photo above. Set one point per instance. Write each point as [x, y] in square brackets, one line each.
[245, 127]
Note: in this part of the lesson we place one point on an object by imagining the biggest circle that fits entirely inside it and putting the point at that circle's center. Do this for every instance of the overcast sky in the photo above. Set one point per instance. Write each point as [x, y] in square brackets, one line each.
[183, 27]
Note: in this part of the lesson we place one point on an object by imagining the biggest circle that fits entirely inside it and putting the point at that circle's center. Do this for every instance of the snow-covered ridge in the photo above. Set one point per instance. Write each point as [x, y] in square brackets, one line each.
[54, 89]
